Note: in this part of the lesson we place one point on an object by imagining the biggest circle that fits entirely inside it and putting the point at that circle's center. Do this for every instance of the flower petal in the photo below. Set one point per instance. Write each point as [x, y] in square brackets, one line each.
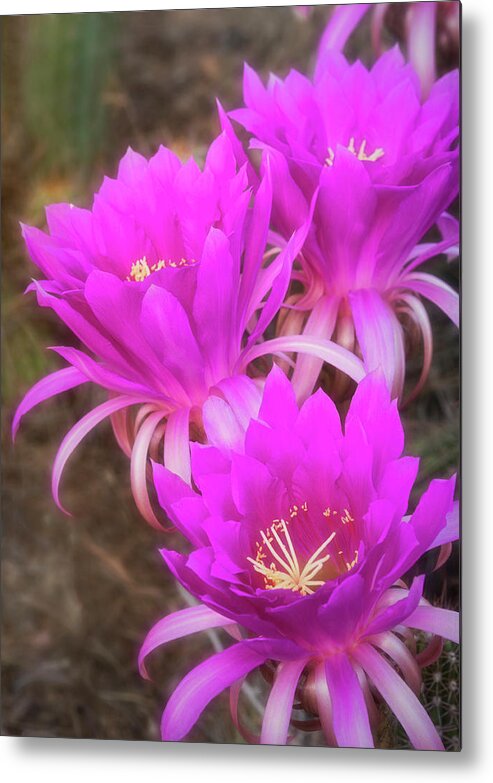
[451, 531]
[215, 302]
[207, 680]
[326, 350]
[433, 619]
[177, 625]
[75, 435]
[138, 467]
[437, 291]
[49, 386]
[221, 425]
[177, 444]
[343, 20]
[380, 336]
[400, 698]
[350, 715]
[277, 713]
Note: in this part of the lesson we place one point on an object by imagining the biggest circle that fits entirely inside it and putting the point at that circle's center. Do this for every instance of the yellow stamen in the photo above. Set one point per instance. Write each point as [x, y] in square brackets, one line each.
[141, 269]
[360, 153]
[284, 570]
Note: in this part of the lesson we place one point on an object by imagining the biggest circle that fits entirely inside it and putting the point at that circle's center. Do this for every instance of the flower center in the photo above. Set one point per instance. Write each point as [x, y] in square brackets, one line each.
[141, 269]
[282, 567]
[361, 153]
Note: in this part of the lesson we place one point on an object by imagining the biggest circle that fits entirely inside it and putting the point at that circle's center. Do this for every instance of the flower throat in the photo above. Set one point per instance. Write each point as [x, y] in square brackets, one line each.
[284, 570]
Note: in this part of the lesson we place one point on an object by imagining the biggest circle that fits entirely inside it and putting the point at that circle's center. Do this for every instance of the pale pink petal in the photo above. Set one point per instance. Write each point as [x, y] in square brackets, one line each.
[324, 704]
[422, 321]
[202, 684]
[234, 697]
[243, 395]
[380, 336]
[119, 422]
[343, 20]
[49, 386]
[221, 424]
[350, 715]
[279, 706]
[326, 350]
[320, 324]
[378, 13]
[437, 291]
[422, 253]
[400, 654]
[421, 32]
[433, 619]
[177, 444]
[177, 625]
[78, 432]
[402, 701]
[138, 467]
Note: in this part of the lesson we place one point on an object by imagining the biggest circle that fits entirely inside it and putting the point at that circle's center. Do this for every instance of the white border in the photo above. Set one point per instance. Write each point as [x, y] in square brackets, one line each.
[77, 761]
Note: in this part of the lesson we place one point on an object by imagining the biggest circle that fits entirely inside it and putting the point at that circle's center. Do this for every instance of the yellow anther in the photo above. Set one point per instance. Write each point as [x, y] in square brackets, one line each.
[347, 517]
[141, 269]
[353, 562]
[284, 571]
[360, 153]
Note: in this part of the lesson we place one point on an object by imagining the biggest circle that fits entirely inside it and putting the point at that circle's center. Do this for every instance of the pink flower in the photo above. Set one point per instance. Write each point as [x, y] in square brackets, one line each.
[163, 282]
[299, 547]
[385, 164]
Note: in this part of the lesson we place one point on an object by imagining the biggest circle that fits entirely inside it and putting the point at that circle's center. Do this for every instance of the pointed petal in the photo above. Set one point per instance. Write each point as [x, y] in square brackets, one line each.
[55, 383]
[437, 291]
[343, 20]
[421, 33]
[399, 611]
[320, 324]
[451, 531]
[380, 336]
[400, 698]
[177, 444]
[221, 425]
[214, 303]
[329, 351]
[243, 395]
[278, 409]
[280, 284]
[324, 704]
[202, 684]
[177, 625]
[433, 619]
[350, 715]
[401, 655]
[279, 706]
[78, 432]
[166, 327]
[138, 467]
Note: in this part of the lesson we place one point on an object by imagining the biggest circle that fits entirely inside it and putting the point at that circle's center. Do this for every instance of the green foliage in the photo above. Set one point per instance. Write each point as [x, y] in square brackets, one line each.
[67, 68]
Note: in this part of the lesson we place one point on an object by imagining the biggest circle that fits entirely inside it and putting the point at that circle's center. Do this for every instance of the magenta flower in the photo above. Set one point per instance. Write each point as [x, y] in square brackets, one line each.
[427, 25]
[301, 540]
[163, 282]
[385, 164]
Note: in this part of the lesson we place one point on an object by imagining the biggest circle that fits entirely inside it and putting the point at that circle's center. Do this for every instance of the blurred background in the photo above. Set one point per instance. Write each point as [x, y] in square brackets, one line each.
[80, 593]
